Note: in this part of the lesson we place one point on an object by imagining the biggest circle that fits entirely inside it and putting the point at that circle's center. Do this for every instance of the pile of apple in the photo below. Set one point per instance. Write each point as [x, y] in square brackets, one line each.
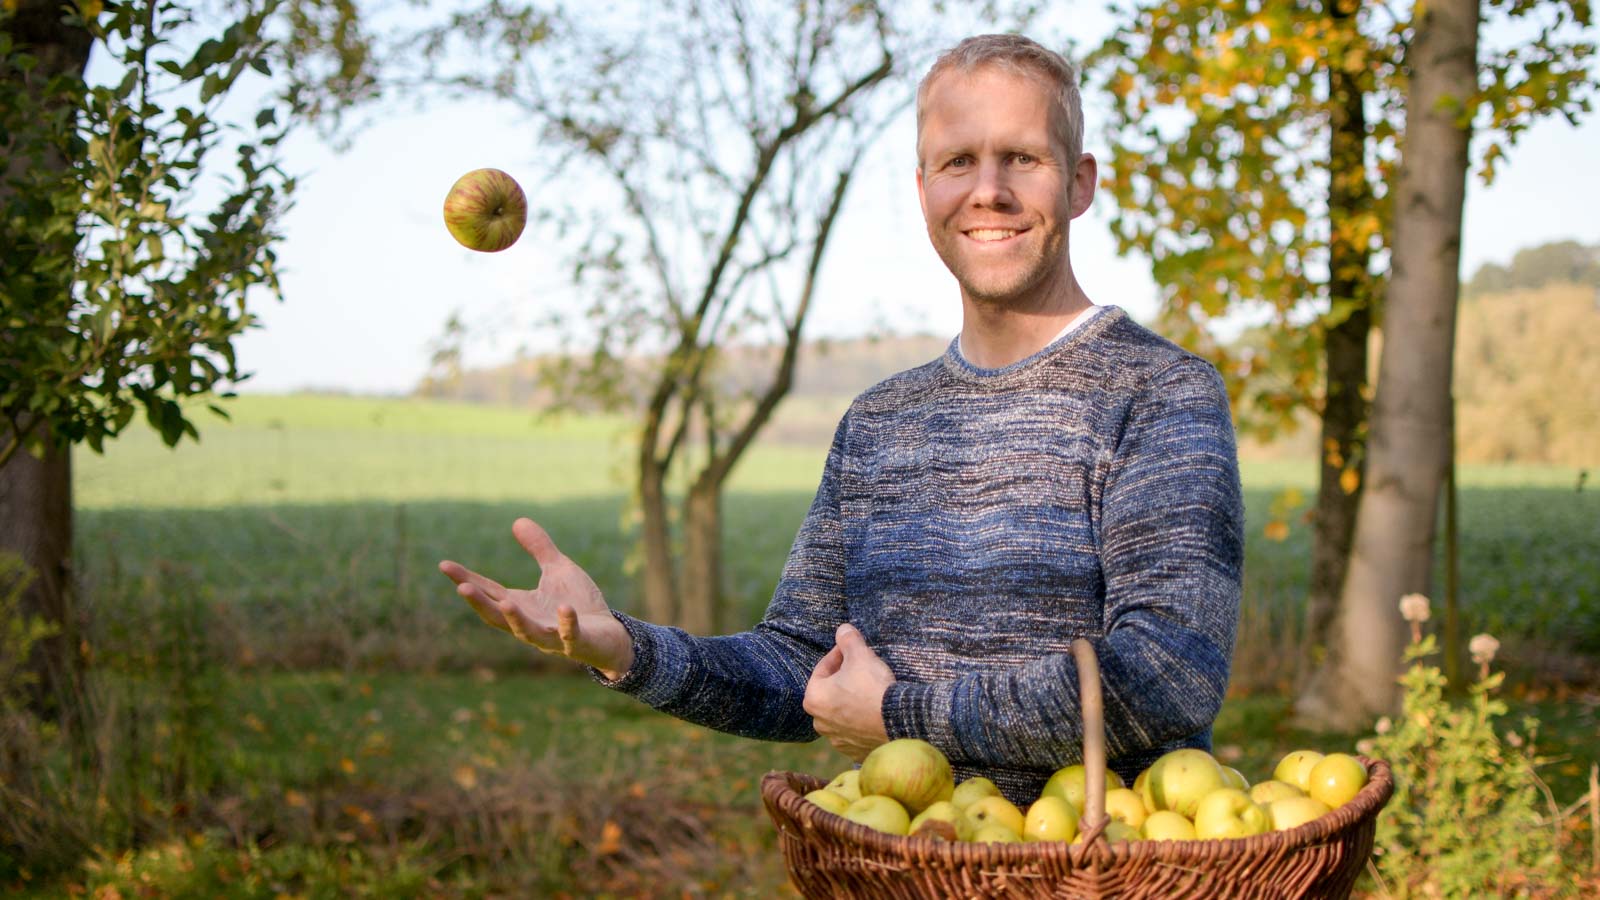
[906, 787]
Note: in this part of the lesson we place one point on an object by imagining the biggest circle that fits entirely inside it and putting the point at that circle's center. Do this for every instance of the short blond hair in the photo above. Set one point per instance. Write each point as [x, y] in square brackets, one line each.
[1022, 56]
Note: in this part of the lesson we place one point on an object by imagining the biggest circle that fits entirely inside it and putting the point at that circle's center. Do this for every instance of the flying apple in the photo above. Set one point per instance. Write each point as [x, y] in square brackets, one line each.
[485, 210]
[910, 770]
[1336, 779]
[1166, 825]
[879, 813]
[1050, 818]
[1229, 813]
[1295, 768]
[1179, 779]
[1292, 812]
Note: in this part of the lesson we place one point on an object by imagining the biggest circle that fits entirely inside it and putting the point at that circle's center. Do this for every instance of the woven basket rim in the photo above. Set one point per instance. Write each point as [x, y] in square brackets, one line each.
[784, 791]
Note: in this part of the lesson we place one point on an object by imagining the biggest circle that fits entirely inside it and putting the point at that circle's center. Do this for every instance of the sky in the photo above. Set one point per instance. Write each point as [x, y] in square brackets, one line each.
[370, 276]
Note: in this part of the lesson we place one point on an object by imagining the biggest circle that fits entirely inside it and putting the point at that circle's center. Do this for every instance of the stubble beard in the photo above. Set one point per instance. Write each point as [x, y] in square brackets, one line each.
[1023, 283]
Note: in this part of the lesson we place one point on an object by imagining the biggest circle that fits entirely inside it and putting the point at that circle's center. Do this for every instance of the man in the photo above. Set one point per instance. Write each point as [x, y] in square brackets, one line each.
[1061, 472]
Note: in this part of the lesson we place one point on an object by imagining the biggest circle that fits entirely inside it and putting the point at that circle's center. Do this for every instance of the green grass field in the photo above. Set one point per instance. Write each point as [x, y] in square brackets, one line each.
[269, 598]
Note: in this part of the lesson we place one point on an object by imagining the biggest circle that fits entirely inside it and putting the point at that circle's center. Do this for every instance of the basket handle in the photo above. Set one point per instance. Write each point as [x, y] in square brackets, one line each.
[1094, 737]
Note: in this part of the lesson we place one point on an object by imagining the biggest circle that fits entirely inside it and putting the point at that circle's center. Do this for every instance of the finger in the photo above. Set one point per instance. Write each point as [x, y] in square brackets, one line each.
[567, 628]
[828, 664]
[462, 575]
[536, 541]
[483, 606]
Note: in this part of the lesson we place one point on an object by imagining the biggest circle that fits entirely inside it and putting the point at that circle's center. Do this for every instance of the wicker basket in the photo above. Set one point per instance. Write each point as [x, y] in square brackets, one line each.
[830, 857]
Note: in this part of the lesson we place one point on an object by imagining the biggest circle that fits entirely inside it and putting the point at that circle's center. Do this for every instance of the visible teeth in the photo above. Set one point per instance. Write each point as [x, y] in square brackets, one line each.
[991, 234]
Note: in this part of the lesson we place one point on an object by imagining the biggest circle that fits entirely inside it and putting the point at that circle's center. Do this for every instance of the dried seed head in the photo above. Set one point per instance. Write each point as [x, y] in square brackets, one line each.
[1483, 648]
[1414, 608]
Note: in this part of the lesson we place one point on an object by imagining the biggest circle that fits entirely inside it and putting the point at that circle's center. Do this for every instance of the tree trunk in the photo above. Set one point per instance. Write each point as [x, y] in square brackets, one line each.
[1395, 525]
[35, 492]
[658, 580]
[1344, 409]
[701, 608]
[36, 524]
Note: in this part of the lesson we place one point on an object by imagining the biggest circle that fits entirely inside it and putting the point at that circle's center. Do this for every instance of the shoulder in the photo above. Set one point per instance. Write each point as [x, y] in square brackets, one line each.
[1138, 360]
[900, 389]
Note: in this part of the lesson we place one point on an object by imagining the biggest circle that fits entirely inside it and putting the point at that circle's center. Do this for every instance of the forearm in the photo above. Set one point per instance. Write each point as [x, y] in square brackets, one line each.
[749, 684]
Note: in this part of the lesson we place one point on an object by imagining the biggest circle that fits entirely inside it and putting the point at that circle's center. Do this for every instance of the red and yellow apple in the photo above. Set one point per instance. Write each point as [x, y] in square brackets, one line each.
[485, 210]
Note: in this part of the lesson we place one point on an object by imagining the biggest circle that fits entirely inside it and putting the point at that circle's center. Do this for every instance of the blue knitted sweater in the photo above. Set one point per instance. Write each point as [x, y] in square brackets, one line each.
[972, 523]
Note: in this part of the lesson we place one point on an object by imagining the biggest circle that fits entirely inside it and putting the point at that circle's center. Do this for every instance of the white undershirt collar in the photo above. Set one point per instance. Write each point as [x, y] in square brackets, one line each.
[1077, 320]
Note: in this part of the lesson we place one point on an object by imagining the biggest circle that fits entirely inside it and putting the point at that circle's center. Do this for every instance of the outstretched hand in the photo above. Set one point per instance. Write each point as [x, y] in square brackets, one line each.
[565, 614]
[845, 695]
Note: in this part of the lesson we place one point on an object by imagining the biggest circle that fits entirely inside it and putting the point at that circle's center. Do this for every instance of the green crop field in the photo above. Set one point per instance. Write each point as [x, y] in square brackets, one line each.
[268, 598]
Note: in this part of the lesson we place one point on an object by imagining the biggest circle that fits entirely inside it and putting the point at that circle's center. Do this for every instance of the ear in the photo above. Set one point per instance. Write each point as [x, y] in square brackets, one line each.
[1084, 180]
[922, 196]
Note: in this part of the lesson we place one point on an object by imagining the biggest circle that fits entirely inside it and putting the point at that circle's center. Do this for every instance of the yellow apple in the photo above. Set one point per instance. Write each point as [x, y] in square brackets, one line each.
[911, 770]
[1180, 778]
[880, 813]
[1137, 787]
[847, 784]
[1050, 818]
[942, 820]
[1166, 825]
[1265, 792]
[829, 800]
[1234, 778]
[994, 810]
[994, 833]
[972, 789]
[1068, 783]
[1229, 813]
[1336, 779]
[1124, 805]
[1292, 812]
[1295, 768]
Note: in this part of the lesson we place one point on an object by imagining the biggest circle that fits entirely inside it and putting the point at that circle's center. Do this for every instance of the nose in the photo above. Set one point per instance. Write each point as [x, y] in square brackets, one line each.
[992, 189]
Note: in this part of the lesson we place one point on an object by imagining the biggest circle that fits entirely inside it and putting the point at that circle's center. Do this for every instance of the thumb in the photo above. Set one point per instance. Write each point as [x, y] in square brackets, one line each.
[536, 541]
[849, 640]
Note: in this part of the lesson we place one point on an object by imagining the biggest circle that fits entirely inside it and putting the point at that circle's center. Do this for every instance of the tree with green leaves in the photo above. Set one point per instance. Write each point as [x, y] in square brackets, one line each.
[717, 141]
[1253, 153]
[128, 250]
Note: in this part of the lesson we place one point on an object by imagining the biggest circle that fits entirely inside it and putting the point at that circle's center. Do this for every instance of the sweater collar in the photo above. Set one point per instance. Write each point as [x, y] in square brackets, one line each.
[956, 364]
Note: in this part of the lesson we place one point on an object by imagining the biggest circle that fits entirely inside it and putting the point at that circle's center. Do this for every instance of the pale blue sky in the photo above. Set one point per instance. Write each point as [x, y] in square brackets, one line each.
[371, 275]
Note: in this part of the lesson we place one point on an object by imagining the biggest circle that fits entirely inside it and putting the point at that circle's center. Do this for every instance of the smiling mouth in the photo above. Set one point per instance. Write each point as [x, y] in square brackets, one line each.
[992, 235]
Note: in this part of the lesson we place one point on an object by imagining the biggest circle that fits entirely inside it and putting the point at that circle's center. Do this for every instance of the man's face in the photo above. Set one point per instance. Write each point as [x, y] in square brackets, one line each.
[996, 190]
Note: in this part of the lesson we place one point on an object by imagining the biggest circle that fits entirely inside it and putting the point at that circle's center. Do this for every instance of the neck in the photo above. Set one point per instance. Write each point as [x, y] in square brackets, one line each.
[996, 334]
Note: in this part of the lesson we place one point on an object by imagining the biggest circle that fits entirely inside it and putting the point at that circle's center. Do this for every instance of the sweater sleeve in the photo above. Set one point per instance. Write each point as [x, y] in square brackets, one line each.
[1171, 543]
[752, 683]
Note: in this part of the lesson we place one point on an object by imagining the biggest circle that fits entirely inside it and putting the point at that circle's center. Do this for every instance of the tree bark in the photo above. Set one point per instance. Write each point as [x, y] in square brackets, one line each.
[701, 608]
[36, 492]
[1344, 409]
[1396, 521]
[657, 581]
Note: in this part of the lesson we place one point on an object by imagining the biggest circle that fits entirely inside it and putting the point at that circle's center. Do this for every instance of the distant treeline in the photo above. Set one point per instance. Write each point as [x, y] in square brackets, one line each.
[1527, 368]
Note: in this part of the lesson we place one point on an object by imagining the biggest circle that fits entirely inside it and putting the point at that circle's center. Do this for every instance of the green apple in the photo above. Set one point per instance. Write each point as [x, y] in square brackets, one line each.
[1116, 832]
[1069, 783]
[485, 210]
[1124, 805]
[1234, 778]
[1166, 825]
[829, 800]
[1266, 792]
[943, 813]
[1229, 813]
[910, 770]
[880, 813]
[1295, 768]
[1050, 818]
[1336, 779]
[847, 784]
[1137, 787]
[973, 788]
[994, 810]
[995, 833]
[1180, 778]
[1292, 812]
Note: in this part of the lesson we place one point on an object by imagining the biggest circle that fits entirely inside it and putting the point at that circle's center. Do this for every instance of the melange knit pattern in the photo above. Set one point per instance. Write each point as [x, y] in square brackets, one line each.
[972, 523]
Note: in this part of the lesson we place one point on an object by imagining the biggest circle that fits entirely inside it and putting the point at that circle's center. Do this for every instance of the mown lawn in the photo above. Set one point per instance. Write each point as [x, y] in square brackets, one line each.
[267, 600]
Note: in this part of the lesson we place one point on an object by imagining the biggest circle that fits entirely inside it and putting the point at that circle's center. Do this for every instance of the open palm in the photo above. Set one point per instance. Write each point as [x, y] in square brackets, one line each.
[565, 614]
